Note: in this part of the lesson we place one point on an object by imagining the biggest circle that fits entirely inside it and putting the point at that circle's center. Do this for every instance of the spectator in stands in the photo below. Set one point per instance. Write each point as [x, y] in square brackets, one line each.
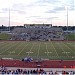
[4, 70]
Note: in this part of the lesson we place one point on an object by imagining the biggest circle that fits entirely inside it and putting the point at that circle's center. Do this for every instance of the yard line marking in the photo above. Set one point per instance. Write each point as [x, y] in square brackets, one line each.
[31, 49]
[48, 52]
[2, 44]
[29, 52]
[54, 49]
[23, 49]
[16, 47]
[4, 47]
[68, 47]
[71, 44]
[62, 48]
[39, 49]
[65, 52]
[12, 51]
[8, 48]
[46, 48]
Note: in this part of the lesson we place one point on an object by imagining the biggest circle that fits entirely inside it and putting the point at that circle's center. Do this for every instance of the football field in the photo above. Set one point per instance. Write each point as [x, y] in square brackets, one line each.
[53, 50]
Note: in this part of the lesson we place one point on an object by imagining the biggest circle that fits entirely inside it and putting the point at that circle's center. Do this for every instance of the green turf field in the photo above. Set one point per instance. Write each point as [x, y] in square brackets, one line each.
[70, 36]
[4, 36]
[46, 50]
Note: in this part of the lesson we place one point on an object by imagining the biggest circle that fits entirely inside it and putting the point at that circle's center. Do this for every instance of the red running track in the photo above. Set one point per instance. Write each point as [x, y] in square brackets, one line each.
[41, 64]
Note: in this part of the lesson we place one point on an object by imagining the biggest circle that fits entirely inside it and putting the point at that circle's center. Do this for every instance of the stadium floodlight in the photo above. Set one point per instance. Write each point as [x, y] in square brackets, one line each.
[9, 7]
[9, 19]
[66, 7]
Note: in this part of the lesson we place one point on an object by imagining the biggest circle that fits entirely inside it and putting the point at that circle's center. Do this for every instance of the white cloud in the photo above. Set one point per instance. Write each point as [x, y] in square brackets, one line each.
[36, 11]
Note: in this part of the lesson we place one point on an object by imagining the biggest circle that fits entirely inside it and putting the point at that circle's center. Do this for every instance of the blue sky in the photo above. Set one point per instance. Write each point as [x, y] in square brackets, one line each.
[36, 11]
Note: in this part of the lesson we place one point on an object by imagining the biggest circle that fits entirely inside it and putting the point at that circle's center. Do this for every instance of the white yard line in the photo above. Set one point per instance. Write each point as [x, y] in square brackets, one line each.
[2, 44]
[62, 49]
[16, 48]
[67, 47]
[71, 45]
[4, 47]
[39, 49]
[46, 49]
[7, 49]
[22, 49]
[31, 49]
[55, 49]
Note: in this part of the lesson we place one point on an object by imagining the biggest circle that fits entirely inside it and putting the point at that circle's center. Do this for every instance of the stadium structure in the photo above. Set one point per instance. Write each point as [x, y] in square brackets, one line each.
[40, 32]
[27, 51]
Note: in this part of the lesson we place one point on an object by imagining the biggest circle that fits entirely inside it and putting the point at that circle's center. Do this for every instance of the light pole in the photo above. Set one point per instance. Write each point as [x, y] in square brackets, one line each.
[67, 19]
[9, 19]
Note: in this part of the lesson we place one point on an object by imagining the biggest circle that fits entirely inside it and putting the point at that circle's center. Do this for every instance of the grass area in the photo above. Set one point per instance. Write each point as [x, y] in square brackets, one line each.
[47, 50]
[70, 36]
[4, 36]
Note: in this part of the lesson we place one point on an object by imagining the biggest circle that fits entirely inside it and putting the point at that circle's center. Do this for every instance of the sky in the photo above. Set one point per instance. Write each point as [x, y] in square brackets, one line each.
[37, 12]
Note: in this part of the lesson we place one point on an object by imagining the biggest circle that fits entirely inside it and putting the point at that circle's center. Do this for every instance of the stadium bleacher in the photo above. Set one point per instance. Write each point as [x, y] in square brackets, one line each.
[37, 32]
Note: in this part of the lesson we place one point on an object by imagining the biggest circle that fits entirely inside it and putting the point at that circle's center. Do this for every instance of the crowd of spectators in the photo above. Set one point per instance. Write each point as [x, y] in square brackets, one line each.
[4, 70]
